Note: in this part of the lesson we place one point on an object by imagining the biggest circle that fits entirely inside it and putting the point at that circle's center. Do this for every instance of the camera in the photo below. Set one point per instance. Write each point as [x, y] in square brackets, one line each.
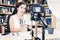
[36, 10]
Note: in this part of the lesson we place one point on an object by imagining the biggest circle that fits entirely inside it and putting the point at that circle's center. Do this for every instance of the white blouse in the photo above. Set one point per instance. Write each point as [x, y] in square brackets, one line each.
[16, 22]
[25, 21]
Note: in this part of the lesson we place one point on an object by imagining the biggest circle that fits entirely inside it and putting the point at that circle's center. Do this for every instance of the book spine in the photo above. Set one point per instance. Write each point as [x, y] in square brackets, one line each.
[0, 1]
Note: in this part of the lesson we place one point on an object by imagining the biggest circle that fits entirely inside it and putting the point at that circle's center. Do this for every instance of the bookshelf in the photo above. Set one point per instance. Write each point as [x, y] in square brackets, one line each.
[6, 5]
[10, 4]
[47, 13]
[6, 9]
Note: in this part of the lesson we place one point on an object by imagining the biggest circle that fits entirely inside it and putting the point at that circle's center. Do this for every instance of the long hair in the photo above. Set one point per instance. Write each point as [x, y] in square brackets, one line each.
[17, 6]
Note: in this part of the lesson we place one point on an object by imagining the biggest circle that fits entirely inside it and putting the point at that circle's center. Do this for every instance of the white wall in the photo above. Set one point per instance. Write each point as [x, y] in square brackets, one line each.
[58, 23]
[54, 6]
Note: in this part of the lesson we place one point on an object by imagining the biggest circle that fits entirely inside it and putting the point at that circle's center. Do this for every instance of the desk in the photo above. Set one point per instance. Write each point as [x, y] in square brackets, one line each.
[21, 36]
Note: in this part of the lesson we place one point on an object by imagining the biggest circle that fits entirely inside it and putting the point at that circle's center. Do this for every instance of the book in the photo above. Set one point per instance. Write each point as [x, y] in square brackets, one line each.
[47, 11]
[0, 1]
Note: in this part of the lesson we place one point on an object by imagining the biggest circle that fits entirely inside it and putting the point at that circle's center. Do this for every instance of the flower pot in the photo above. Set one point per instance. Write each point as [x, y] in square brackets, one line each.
[50, 30]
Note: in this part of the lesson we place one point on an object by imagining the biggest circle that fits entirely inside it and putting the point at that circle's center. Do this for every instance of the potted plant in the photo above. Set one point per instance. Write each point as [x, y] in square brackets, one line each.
[50, 29]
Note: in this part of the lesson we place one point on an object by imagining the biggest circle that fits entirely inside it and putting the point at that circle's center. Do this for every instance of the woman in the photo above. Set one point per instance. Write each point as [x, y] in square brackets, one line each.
[28, 22]
[16, 20]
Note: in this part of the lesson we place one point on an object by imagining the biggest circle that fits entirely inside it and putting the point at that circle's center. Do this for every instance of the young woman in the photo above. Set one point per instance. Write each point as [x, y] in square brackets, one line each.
[16, 20]
[19, 22]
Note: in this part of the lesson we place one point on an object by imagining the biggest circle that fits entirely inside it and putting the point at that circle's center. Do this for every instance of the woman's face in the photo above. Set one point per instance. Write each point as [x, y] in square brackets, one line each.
[21, 9]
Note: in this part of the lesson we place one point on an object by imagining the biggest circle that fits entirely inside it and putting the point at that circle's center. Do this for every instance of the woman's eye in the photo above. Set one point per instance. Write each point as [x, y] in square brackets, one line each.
[21, 7]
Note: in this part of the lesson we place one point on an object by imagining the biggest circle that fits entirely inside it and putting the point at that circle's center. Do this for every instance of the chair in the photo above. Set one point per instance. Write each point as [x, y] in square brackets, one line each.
[7, 31]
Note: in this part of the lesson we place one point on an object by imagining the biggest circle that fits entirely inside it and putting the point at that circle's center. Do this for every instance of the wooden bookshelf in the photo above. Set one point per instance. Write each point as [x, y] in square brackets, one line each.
[6, 5]
[1, 13]
[45, 5]
[48, 16]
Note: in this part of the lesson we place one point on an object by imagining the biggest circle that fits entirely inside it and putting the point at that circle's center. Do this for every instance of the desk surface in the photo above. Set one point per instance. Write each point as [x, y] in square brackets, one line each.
[26, 35]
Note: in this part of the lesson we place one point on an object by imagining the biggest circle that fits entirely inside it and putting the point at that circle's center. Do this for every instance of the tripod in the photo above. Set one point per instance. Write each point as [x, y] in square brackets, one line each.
[36, 11]
[35, 38]
[43, 29]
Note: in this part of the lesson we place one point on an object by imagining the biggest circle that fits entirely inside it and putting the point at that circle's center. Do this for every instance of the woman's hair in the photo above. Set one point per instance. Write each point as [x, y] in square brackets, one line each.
[17, 6]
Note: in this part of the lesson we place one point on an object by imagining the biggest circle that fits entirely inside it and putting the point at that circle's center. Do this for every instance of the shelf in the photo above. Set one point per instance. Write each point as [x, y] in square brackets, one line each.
[6, 5]
[45, 5]
[39, 26]
[4, 13]
[48, 16]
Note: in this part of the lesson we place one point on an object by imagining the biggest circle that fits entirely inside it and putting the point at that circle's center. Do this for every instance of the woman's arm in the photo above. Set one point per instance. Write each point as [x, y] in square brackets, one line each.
[12, 26]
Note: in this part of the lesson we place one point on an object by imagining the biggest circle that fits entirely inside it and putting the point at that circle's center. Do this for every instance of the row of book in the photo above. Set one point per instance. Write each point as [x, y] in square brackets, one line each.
[10, 9]
[7, 2]
[39, 1]
[47, 11]
[6, 10]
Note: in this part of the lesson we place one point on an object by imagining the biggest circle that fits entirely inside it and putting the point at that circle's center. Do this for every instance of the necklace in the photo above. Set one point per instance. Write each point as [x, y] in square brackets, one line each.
[21, 21]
